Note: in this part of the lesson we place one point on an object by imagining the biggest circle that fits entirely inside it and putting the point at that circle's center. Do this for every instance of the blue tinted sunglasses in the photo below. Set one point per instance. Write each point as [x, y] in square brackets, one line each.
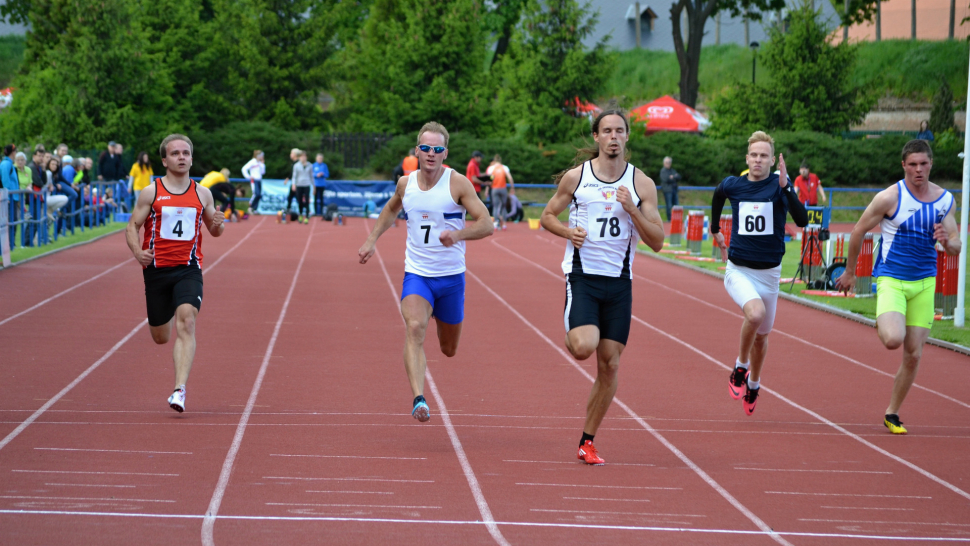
[437, 149]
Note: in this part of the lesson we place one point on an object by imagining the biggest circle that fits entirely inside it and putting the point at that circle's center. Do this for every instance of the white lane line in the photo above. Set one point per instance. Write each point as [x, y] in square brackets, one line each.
[758, 522]
[894, 522]
[781, 397]
[844, 495]
[573, 462]
[404, 507]
[524, 524]
[812, 470]
[61, 293]
[102, 499]
[40, 411]
[113, 450]
[350, 457]
[864, 508]
[209, 522]
[582, 511]
[612, 500]
[786, 334]
[603, 486]
[91, 472]
[352, 492]
[88, 485]
[346, 479]
[466, 466]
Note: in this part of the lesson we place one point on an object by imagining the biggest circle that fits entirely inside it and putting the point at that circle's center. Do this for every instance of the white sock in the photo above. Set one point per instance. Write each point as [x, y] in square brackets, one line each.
[752, 385]
[739, 364]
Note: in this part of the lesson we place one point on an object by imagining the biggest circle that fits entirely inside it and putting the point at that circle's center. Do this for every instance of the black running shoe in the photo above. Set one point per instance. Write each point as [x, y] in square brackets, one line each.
[750, 400]
[738, 382]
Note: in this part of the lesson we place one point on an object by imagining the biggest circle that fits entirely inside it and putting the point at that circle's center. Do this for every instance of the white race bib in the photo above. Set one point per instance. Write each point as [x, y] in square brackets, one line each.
[604, 225]
[757, 218]
[425, 227]
[178, 223]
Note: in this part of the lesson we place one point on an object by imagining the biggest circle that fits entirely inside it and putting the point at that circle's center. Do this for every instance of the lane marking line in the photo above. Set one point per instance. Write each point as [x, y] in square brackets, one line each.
[104, 499]
[603, 486]
[353, 505]
[844, 495]
[466, 466]
[113, 450]
[582, 511]
[778, 395]
[884, 522]
[523, 524]
[811, 470]
[346, 479]
[352, 492]
[573, 463]
[40, 411]
[209, 522]
[864, 508]
[88, 485]
[782, 332]
[351, 457]
[93, 472]
[659, 437]
[613, 500]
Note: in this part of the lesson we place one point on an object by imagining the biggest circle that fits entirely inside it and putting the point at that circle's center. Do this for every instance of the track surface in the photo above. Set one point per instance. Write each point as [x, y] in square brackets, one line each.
[298, 430]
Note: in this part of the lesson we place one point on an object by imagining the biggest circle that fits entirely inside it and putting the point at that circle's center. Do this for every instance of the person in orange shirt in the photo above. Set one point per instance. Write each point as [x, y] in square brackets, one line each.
[502, 186]
[410, 163]
[808, 187]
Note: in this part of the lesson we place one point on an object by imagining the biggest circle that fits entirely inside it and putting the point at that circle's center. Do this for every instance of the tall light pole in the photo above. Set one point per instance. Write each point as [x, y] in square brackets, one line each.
[959, 314]
[754, 60]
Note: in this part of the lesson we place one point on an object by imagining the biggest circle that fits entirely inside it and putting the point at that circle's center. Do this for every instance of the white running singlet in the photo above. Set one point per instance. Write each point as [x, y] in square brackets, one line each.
[611, 236]
[428, 214]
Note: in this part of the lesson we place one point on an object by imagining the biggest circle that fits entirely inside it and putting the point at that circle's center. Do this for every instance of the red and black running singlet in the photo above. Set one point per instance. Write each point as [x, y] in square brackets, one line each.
[174, 227]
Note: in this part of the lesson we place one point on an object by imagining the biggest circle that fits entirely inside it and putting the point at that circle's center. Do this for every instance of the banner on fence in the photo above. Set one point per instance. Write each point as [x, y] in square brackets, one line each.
[350, 196]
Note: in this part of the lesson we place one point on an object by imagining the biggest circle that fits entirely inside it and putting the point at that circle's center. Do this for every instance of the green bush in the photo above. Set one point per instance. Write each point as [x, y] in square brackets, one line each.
[232, 146]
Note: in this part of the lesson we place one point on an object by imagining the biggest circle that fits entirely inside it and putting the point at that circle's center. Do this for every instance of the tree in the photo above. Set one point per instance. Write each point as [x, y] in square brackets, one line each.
[941, 116]
[501, 22]
[88, 77]
[860, 11]
[547, 68]
[816, 94]
[416, 61]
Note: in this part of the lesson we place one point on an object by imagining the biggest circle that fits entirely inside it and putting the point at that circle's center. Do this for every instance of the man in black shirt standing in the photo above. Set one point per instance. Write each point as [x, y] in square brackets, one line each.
[109, 165]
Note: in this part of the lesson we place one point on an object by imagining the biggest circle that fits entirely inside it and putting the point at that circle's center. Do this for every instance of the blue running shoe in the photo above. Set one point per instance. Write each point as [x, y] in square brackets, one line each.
[421, 412]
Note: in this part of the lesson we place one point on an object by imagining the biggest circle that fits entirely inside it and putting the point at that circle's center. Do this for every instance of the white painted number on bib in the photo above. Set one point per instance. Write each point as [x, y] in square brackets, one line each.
[756, 218]
[178, 223]
[425, 227]
[604, 225]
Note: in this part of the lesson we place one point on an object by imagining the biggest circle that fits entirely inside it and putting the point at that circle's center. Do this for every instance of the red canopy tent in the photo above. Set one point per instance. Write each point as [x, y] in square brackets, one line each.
[668, 114]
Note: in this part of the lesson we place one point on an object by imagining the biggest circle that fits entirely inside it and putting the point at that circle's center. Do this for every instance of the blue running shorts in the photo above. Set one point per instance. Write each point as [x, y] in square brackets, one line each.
[445, 294]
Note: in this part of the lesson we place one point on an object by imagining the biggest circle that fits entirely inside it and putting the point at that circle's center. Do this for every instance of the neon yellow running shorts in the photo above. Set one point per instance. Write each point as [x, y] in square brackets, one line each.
[914, 299]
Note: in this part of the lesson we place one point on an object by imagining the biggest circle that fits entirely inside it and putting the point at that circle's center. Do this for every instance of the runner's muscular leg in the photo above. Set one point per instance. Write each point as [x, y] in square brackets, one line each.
[184, 350]
[582, 341]
[161, 334]
[448, 337]
[416, 312]
[754, 315]
[604, 388]
[892, 329]
[906, 375]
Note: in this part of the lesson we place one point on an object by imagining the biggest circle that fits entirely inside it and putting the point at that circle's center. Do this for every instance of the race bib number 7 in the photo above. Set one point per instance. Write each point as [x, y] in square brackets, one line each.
[756, 218]
[425, 227]
[604, 222]
[178, 223]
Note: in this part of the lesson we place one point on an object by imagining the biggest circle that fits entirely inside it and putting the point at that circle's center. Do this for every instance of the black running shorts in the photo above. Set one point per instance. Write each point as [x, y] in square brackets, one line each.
[168, 287]
[605, 302]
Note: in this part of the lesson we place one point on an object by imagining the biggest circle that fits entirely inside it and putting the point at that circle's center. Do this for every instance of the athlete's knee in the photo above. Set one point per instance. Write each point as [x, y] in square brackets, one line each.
[186, 324]
[415, 328]
[891, 340]
[449, 349]
[754, 314]
[580, 349]
[160, 337]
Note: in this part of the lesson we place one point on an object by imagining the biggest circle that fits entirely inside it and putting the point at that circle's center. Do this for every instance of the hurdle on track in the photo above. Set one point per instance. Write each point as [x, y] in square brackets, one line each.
[726, 224]
[863, 268]
[947, 272]
[695, 231]
[676, 225]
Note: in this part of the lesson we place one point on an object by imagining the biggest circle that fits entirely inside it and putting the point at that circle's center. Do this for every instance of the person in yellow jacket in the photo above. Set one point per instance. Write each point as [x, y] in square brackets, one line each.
[140, 175]
[222, 190]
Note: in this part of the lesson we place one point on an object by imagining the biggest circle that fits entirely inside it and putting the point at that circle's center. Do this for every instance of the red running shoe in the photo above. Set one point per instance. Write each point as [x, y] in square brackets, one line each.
[587, 454]
[750, 400]
[738, 382]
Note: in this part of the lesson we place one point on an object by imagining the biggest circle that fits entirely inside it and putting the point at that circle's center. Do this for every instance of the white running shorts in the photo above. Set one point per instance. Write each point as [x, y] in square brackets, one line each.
[744, 284]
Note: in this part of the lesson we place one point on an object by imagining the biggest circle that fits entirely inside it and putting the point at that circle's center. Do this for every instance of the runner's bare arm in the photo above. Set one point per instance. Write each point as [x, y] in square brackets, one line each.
[213, 218]
[384, 221]
[948, 234]
[464, 194]
[138, 216]
[882, 204]
[564, 195]
[646, 217]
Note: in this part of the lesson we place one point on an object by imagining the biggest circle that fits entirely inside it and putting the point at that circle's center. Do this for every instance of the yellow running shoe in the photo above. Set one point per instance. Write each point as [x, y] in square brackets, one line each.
[893, 423]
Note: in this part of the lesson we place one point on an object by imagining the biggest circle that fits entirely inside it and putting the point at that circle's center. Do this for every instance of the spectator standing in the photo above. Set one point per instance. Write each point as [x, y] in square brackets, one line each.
[60, 151]
[302, 180]
[320, 175]
[502, 186]
[32, 202]
[86, 169]
[473, 171]
[291, 195]
[37, 167]
[23, 171]
[410, 163]
[78, 171]
[254, 170]
[109, 165]
[669, 179]
[809, 187]
[8, 176]
[140, 175]
[924, 132]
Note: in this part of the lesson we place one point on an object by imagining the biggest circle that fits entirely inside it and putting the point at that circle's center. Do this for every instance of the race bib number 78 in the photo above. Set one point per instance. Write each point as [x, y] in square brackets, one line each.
[178, 223]
[604, 225]
[757, 218]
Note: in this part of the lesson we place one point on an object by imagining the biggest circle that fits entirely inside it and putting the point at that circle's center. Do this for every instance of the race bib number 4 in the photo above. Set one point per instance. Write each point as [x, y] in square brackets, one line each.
[425, 227]
[604, 222]
[178, 223]
[756, 218]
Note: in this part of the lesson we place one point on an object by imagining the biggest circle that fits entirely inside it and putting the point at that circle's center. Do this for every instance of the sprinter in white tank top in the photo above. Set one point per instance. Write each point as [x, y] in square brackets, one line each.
[611, 205]
[435, 200]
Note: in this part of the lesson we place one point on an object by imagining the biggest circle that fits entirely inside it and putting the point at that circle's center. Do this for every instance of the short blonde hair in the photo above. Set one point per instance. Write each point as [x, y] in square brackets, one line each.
[433, 127]
[761, 136]
[225, 172]
[163, 148]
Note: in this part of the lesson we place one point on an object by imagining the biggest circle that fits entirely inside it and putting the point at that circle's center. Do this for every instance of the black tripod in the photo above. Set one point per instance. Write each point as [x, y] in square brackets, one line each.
[813, 243]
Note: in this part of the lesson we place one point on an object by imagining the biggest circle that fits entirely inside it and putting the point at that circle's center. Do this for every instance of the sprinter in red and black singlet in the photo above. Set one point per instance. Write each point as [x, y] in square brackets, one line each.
[173, 209]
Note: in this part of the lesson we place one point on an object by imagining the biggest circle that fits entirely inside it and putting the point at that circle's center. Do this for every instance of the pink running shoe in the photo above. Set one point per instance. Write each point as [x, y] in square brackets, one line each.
[738, 382]
[750, 400]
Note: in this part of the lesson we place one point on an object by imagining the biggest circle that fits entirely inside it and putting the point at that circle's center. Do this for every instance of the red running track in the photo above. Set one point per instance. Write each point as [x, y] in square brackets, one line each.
[298, 430]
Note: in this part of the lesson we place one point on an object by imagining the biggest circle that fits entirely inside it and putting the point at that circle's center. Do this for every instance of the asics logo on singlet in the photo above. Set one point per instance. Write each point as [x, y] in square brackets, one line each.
[608, 194]
[164, 197]
[591, 185]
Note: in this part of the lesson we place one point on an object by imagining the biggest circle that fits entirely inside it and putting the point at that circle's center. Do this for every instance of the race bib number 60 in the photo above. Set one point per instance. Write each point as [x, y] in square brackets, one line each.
[178, 223]
[756, 218]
